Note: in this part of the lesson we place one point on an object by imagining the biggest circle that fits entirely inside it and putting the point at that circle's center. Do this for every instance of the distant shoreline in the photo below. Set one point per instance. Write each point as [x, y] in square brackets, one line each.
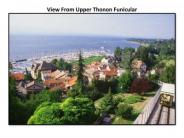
[134, 42]
[25, 47]
[69, 56]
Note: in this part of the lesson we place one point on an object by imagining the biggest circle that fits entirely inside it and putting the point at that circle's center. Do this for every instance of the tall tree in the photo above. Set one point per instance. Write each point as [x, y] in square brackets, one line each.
[80, 74]
[142, 53]
[127, 57]
[118, 54]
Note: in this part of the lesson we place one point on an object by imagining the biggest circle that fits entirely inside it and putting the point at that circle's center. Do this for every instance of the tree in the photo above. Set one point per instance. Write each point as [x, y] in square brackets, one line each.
[125, 81]
[20, 110]
[118, 54]
[107, 104]
[141, 85]
[142, 53]
[62, 65]
[127, 57]
[10, 65]
[54, 61]
[101, 85]
[39, 77]
[93, 93]
[47, 113]
[28, 76]
[168, 75]
[124, 110]
[80, 76]
[153, 77]
[75, 91]
[71, 111]
[113, 85]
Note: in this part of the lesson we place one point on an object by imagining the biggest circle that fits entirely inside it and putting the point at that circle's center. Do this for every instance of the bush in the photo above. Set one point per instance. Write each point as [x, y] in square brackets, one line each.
[103, 86]
[168, 75]
[141, 86]
[124, 110]
[93, 93]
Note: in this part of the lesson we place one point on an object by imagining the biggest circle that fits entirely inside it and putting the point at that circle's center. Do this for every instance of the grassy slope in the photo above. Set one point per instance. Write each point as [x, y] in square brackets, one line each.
[138, 103]
[89, 60]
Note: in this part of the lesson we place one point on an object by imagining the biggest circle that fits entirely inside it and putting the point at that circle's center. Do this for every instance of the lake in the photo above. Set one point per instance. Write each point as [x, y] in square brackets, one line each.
[35, 46]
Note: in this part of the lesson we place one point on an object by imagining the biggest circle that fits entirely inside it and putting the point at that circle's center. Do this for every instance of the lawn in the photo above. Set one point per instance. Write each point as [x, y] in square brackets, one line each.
[120, 120]
[138, 103]
[89, 60]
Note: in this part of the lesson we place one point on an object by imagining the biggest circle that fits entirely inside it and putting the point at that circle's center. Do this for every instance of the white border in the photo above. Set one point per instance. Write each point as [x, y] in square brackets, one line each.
[89, 131]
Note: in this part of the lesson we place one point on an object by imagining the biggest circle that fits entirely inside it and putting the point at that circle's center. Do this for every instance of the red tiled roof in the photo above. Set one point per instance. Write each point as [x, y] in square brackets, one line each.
[72, 81]
[111, 72]
[53, 82]
[93, 65]
[18, 76]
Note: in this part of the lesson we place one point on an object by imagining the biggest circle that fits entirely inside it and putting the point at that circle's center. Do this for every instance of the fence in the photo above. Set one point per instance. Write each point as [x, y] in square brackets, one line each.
[145, 114]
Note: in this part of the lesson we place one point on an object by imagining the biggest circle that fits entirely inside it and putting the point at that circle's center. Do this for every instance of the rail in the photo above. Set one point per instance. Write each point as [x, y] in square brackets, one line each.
[145, 114]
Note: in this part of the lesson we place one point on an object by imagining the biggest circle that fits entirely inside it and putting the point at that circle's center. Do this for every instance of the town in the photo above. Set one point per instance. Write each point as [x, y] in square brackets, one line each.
[102, 89]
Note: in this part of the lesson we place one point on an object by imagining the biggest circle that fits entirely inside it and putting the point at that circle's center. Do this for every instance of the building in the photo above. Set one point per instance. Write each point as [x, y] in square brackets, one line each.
[100, 71]
[54, 75]
[70, 82]
[139, 67]
[44, 68]
[18, 76]
[120, 71]
[63, 84]
[167, 94]
[51, 83]
[109, 60]
[25, 88]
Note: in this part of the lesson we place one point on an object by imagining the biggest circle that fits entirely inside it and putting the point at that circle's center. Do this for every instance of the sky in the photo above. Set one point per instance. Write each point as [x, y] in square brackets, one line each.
[123, 25]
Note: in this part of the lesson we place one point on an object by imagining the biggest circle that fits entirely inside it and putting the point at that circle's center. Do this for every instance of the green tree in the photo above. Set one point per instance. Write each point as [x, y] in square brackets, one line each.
[17, 109]
[80, 76]
[28, 76]
[62, 64]
[168, 75]
[153, 77]
[142, 53]
[71, 111]
[118, 54]
[107, 104]
[54, 61]
[125, 81]
[124, 110]
[75, 91]
[127, 57]
[20, 109]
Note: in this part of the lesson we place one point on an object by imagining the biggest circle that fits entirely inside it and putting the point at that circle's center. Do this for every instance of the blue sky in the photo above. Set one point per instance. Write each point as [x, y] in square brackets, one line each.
[125, 25]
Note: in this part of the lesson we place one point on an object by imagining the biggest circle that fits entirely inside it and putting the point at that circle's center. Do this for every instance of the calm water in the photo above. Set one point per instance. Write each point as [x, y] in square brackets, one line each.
[22, 47]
